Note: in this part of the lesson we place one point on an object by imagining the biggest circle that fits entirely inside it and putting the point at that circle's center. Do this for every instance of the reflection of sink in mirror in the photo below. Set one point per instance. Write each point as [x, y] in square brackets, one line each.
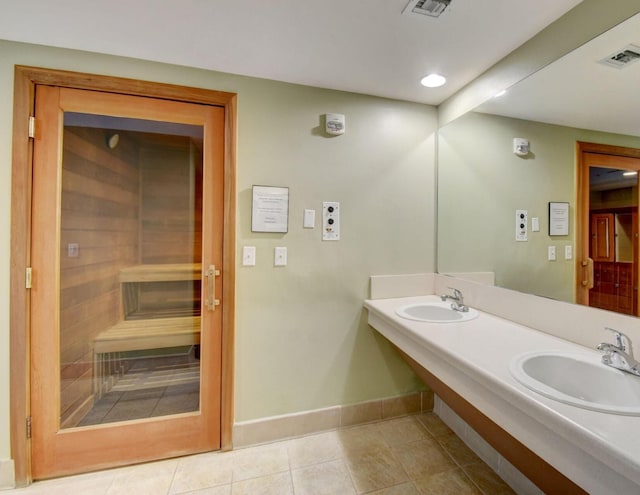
[435, 312]
[578, 379]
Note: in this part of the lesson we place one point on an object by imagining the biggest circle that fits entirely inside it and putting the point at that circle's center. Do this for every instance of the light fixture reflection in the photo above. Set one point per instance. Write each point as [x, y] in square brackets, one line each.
[630, 173]
[113, 140]
[433, 81]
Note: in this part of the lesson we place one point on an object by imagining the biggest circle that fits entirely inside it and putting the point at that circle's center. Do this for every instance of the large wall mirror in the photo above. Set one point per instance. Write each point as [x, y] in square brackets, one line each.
[482, 183]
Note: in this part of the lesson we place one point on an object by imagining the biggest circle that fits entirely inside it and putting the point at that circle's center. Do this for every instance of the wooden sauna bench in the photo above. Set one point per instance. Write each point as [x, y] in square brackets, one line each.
[161, 272]
[132, 277]
[150, 329]
[138, 335]
[155, 333]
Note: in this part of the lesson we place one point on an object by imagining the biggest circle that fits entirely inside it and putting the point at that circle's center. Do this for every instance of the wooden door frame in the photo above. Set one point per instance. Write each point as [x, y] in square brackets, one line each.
[25, 80]
[582, 206]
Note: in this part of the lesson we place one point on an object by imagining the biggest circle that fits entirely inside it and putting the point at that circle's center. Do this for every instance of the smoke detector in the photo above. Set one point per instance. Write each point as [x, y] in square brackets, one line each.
[622, 58]
[432, 8]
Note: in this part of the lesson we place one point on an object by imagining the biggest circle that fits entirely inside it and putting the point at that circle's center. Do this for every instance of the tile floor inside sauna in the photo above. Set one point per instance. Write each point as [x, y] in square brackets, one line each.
[151, 387]
[411, 455]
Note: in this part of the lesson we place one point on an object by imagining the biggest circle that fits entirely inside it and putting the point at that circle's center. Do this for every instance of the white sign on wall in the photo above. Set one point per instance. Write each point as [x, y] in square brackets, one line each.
[270, 209]
[558, 218]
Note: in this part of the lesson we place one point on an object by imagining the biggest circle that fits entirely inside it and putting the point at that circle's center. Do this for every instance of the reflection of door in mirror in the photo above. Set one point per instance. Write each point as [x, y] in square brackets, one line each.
[609, 206]
[602, 237]
[626, 236]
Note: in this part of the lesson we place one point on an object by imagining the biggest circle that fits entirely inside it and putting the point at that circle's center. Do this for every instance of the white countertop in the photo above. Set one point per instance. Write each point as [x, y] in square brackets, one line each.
[598, 451]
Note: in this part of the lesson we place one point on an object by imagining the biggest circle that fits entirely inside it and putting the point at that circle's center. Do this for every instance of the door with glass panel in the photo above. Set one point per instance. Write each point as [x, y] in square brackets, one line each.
[125, 302]
[609, 264]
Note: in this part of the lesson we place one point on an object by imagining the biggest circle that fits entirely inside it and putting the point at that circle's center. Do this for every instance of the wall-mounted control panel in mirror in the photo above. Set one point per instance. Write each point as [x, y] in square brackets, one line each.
[522, 230]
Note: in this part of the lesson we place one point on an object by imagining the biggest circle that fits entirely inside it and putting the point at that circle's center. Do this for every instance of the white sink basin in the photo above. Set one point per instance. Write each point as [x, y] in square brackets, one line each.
[435, 312]
[579, 379]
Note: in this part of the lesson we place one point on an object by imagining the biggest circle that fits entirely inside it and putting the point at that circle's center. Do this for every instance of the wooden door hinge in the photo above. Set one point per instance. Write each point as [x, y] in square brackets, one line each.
[27, 277]
[28, 427]
[32, 126]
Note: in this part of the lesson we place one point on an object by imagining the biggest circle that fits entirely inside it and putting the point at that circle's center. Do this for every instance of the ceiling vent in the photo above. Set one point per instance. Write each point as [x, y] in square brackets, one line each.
[432, 8]
[622, 58]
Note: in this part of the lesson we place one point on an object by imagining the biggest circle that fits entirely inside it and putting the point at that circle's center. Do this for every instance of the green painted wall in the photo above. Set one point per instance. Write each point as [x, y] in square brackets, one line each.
[302, 337]
[480, 185]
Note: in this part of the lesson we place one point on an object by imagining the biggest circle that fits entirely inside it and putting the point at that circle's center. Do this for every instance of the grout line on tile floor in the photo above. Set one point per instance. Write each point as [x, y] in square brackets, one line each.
[380, 432]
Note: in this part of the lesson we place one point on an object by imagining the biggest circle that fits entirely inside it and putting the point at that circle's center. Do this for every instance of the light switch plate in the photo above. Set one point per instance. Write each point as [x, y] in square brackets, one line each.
[551, 253]
[535, 224]
[249, 256]
[309, 221]
[280, 256]
[568, 252]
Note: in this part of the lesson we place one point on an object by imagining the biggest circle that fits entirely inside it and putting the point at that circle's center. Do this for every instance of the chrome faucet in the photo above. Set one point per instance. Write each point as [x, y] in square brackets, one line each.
[457, 301]
[620, 354]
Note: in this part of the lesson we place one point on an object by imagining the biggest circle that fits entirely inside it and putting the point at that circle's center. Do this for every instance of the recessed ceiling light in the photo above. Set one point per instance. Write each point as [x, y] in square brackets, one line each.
[630, 174]
[433, 80]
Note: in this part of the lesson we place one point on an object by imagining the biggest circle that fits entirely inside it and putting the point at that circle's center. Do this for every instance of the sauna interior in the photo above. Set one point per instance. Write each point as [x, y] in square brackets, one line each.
[130, 269]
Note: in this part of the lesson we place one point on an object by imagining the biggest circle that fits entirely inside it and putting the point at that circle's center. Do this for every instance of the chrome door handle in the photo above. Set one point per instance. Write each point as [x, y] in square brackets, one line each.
[211, 275]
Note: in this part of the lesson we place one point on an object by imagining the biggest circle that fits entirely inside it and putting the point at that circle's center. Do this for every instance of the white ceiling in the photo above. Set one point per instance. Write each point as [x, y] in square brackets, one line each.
[577, 91]
[365, 46]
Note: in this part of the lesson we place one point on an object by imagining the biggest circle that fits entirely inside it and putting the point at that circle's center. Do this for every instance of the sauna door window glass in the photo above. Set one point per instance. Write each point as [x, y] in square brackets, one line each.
[130, 269]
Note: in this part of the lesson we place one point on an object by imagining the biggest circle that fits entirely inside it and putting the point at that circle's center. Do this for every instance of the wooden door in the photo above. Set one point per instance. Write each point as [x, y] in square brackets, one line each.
[602, 280]
[127, 238]
[602, 237]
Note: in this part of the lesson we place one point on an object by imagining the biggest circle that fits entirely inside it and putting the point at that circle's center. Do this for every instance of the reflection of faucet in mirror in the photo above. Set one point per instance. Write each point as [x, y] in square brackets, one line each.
[457, 299]
[620, 354]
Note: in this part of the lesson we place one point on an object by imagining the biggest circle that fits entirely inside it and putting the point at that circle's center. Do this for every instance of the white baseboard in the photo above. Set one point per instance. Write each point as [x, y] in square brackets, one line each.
[274, 428]
[7, 474]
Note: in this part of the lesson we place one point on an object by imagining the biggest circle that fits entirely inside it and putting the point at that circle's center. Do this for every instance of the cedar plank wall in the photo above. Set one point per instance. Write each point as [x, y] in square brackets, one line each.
[171, 219]
[171, 203]
[100, 210]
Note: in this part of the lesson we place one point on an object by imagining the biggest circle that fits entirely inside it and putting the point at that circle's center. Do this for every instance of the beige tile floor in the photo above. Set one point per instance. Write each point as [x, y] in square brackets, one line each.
[412, 455]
